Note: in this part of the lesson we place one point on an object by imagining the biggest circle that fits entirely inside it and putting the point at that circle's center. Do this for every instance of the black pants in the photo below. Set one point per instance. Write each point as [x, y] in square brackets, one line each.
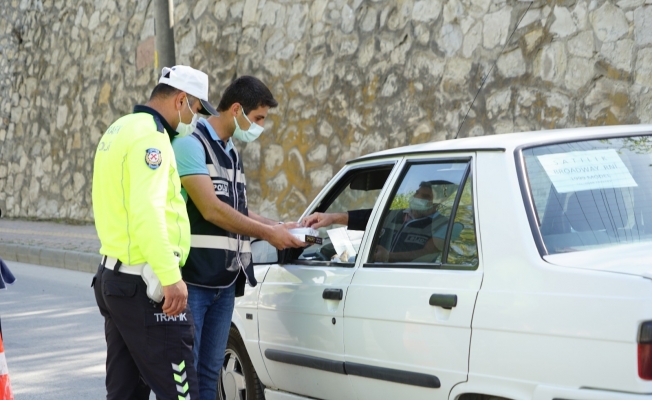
[145, 348]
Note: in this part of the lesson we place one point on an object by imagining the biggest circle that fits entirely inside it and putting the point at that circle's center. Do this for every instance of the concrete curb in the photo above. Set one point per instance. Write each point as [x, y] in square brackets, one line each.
[68, 259]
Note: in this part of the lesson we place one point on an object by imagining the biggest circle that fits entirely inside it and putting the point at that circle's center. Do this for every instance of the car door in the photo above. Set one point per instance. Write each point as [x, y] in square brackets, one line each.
[409, 307]
[301, 302]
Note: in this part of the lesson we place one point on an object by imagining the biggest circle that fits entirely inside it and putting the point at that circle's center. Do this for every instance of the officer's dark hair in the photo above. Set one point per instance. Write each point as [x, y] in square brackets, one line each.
[249, 92]
[163, 91]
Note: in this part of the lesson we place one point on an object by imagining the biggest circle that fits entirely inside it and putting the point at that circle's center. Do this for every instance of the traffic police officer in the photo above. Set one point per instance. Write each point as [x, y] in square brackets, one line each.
[143, 227]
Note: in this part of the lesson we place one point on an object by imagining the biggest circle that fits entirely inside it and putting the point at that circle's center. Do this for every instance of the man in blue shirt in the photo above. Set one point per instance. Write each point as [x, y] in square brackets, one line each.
[219, 262]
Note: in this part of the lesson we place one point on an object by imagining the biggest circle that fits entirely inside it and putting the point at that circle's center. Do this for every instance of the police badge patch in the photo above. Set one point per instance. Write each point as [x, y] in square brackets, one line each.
[153, 158]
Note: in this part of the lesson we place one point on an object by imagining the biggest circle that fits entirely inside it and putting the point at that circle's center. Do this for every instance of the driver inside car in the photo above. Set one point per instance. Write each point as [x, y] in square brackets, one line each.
[416, 233]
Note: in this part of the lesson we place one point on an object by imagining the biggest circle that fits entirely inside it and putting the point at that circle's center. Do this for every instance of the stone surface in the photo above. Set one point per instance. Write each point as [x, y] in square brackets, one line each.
[512, 64]
[609, 22]
[564, 24]
[644, 67]
[496, 27]
[582, 45]
[551, 64]
[351, 77]
[643, 25]
[580, 72]
[619, 54]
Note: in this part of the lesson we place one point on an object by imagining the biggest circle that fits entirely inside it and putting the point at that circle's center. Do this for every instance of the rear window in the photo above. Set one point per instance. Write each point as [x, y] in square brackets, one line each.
[592, 194]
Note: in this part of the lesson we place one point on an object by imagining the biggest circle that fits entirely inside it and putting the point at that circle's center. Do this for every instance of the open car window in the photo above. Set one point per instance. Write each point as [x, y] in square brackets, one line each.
[356, 191]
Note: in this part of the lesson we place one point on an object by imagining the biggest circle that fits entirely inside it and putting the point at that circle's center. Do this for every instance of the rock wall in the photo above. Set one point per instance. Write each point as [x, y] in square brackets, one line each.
[67, 70]
[351, 76]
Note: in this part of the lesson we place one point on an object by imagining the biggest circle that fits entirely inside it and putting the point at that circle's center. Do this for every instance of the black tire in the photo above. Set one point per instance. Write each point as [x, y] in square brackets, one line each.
[237, 366]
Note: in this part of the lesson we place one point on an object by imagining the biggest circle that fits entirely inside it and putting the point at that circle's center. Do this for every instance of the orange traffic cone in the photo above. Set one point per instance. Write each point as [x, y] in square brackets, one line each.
[5, 386]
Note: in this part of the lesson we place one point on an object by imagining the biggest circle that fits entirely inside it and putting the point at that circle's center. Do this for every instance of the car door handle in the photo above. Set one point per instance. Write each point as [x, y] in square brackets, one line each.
[446, 301]
[333, 294]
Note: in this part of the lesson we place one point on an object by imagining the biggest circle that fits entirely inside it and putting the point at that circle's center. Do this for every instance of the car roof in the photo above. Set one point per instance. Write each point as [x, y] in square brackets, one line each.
[510, 141]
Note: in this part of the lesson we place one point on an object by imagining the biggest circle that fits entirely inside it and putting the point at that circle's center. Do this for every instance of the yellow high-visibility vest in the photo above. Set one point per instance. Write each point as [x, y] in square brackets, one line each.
[140, 215]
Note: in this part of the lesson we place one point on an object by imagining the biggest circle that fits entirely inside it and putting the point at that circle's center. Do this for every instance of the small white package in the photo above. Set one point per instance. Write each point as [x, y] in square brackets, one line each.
[307, 235]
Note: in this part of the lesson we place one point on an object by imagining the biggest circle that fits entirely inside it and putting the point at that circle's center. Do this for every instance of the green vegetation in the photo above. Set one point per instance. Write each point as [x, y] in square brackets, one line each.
[401, 201]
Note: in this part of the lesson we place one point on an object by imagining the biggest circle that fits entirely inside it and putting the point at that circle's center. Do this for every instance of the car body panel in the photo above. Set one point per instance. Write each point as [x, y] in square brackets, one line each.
[529, 309]
[394, 326]
[526, 326]
[294, 318]
[248, 327]
[628, 259]
[389, 323]
[279, 395]
[508, 142]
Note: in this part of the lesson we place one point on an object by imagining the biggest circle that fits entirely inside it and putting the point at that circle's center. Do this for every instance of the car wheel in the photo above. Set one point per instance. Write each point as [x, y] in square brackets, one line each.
[238, 379]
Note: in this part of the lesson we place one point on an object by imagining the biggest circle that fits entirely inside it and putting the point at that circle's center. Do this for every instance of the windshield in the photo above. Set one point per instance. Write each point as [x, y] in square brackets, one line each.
[592, 194]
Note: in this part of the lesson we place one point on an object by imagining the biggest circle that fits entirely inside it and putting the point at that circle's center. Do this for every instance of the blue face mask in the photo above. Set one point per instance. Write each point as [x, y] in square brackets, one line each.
[250, 134]
[417, 204]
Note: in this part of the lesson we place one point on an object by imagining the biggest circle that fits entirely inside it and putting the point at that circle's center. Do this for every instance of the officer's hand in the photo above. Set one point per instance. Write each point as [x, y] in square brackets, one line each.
[282, 239]
[176, 298]
[291, 225]
[381, 254]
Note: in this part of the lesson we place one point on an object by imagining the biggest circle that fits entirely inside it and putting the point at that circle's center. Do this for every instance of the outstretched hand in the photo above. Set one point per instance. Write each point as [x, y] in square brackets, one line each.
[318, 220]
[281, 238]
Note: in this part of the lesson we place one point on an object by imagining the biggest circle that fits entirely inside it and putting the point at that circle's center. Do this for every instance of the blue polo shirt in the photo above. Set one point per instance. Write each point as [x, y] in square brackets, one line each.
[190, 155]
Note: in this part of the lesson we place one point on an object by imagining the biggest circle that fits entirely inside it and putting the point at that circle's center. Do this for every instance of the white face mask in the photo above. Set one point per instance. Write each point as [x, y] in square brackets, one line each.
[417, 204]
[187, 129]
[250, 134]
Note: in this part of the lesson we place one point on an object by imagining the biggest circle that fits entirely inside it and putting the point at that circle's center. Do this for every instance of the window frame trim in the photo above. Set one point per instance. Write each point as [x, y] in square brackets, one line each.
[420, 266]
[318, 201]
[451, 221]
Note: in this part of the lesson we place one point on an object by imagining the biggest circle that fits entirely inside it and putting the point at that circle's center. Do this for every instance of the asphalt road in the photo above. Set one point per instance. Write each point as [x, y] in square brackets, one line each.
[53, 335]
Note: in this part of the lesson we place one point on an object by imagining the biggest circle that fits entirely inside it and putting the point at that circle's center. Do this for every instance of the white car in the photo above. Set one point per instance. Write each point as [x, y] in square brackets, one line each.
[513, 266]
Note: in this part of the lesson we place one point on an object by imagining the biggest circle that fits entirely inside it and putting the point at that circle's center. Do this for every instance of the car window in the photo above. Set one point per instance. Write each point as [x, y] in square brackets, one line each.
[416, 224]
[357, 192]
[592, 194]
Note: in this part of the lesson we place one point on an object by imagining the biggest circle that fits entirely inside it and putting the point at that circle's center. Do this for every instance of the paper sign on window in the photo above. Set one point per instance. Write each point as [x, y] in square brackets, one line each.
[586, 170]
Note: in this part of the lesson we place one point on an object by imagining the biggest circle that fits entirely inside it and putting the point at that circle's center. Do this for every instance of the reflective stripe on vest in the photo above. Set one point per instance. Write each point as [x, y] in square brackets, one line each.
[219, 242]
[224, 173]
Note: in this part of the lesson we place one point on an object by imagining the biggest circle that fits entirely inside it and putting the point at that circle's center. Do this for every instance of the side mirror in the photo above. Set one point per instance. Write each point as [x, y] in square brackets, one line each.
[286, 256]
[263, 253]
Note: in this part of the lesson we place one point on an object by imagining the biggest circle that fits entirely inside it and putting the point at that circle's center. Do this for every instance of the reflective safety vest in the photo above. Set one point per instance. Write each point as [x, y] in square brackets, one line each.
[218, 258]
[399, 236]
[140, 215]
[5, 385]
